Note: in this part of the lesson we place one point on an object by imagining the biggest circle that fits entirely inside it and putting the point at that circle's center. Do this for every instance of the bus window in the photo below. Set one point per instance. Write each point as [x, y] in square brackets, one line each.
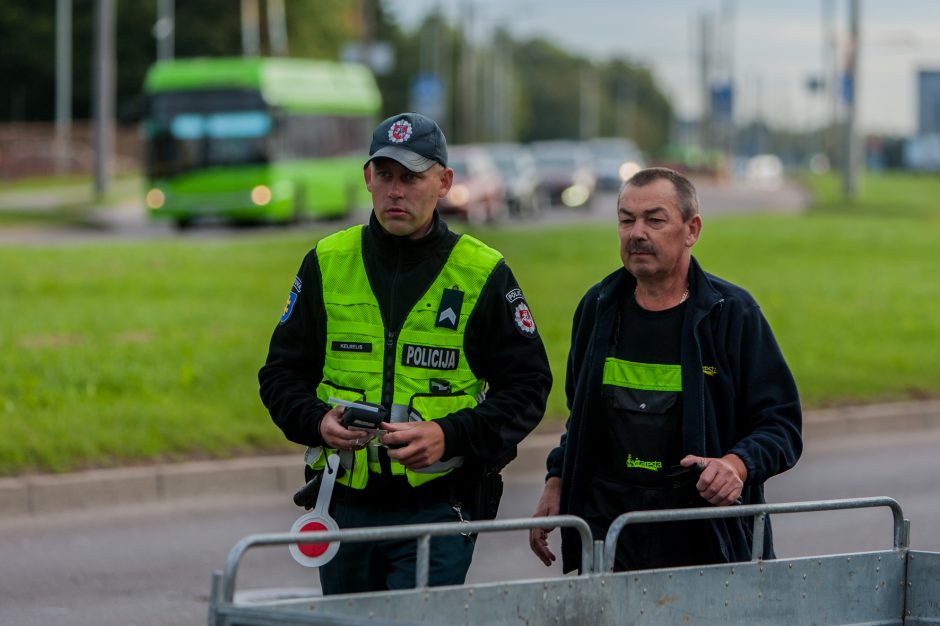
[237, 138]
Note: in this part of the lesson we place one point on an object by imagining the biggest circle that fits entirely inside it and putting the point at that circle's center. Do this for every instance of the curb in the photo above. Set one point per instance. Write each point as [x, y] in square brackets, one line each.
[44, 495]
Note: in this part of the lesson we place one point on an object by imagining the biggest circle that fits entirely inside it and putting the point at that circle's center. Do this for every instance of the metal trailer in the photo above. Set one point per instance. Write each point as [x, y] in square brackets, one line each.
[896, 586]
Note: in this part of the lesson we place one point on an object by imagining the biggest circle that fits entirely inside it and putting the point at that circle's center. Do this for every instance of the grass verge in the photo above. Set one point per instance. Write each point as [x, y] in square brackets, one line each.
[148, 351]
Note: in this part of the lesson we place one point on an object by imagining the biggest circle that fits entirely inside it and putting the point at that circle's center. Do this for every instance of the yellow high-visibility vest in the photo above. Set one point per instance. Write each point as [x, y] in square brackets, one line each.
[424, 361]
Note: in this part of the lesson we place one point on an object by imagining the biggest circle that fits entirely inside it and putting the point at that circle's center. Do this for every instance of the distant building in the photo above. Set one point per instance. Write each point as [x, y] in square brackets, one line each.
[922, 152]
[928, 102]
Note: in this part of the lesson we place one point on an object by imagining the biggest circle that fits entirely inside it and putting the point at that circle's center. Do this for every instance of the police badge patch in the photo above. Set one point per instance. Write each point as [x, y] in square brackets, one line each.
[291, 300]
[400, 131]
[523, 319]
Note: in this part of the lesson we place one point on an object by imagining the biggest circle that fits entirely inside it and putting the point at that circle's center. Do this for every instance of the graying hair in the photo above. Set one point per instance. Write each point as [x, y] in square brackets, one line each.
[688, 197]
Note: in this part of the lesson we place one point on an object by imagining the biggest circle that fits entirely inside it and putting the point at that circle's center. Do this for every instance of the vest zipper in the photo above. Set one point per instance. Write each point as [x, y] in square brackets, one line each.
[388, 396]
[388, 370]
[388, 367]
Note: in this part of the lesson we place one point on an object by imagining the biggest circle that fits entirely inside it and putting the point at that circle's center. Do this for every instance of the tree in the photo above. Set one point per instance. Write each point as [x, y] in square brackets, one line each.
[316, 28]
[546, 100]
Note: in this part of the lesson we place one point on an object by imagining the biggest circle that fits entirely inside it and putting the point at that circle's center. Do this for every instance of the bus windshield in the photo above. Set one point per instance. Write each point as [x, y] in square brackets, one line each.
[187, 132]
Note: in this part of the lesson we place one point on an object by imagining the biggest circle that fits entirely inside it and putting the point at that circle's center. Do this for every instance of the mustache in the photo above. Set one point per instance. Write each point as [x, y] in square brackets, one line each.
[641, 247]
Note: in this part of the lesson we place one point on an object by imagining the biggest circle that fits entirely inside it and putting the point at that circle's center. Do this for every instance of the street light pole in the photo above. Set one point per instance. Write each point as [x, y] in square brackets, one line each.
[165, 29]
[251, 31]
[277, 28]
[103, 94]
[851, 148]
[63, 84]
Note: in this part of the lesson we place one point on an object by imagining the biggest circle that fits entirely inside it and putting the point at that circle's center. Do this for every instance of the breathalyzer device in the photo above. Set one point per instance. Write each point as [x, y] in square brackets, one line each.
[362, 415]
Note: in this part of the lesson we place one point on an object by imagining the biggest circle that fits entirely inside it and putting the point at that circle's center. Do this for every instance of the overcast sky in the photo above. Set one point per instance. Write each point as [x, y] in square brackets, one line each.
[774, 46]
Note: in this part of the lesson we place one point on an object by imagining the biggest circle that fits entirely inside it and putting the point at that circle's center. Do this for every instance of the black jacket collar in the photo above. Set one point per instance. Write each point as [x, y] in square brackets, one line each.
[408, 250]
[702, 292]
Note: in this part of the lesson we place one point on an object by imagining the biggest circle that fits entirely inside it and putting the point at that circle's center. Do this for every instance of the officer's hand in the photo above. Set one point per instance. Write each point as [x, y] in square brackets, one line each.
[549, 505]
[338, 436]
[415, 445]
[722, 479]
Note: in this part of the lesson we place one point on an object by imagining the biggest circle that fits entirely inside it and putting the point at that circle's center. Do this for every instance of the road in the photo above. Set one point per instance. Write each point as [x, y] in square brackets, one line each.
[151, 565]
[128, 221]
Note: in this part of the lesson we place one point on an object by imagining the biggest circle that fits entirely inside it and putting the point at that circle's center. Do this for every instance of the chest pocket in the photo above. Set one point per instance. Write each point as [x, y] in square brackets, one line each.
[642, 401]
[641, 416]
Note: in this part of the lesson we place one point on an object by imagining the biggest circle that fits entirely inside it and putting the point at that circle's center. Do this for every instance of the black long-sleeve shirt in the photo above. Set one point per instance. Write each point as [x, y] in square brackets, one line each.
[511, 361]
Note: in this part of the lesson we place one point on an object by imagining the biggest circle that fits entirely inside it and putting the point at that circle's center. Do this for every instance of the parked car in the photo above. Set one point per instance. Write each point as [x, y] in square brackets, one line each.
[566, 172]
[524, 197]
[615, 160]
[477, 193]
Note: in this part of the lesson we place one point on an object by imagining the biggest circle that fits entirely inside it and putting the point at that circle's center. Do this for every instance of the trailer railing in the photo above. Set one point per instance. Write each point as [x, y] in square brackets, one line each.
[898, 586]
[759, 512]
[422, 533]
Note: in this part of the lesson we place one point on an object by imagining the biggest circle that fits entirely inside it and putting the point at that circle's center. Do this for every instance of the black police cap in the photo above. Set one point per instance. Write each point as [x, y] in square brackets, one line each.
[412, 139]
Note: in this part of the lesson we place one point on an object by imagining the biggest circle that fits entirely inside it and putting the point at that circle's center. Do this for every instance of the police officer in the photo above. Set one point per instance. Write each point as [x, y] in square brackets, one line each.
[431, 325]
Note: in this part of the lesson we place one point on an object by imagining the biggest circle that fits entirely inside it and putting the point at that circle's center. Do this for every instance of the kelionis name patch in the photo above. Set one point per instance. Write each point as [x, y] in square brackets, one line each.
[429, 357]
[351, 346]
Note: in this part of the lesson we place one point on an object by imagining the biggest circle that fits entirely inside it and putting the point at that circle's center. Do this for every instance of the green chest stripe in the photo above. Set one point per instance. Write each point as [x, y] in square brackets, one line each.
[647, 376]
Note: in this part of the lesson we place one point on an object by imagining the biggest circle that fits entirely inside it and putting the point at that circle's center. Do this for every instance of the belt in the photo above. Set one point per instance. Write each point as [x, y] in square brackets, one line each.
[394, 491]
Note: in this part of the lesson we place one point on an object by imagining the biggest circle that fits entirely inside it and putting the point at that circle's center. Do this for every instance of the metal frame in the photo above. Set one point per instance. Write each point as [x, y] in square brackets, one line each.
[897, 586]
[420, 532]
[759, 512]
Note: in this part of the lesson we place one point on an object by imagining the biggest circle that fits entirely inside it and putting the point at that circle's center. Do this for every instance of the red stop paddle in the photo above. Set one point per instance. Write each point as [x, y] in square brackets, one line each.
[319, 553]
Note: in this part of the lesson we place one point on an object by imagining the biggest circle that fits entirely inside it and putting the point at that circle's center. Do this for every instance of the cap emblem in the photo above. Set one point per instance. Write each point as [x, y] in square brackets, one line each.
[400, 131]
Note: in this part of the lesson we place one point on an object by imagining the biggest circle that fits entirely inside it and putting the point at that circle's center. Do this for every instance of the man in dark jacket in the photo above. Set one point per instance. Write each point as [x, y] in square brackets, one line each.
[427, 324]
[678, 394]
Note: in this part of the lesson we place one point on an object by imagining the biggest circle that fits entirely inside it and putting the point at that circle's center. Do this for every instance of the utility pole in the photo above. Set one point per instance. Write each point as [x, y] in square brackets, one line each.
[504, 87]
[251, 30]
[165, 28]
[102, 104]
[851, 160]
[728, 15]
[63, 84]
[589, 102]
[830, 74]
[468, 107]
[277, 28]
[705, 51]
[441, 68]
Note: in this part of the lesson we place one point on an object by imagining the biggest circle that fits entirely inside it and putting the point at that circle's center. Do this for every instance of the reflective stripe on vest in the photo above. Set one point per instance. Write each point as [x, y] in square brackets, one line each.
[432, 377]
[645, 376]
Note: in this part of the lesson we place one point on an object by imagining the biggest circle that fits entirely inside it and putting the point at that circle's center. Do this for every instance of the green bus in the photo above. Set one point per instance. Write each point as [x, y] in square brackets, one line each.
[256, 139]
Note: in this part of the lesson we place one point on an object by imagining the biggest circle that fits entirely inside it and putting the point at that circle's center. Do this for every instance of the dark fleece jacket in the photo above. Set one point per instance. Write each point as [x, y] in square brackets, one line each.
[738, 397]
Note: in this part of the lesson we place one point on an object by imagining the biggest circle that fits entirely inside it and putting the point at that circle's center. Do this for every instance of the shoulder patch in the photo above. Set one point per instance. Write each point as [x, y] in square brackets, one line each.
[291, 300]
[448, 313]
[513, 294]
[522, 316]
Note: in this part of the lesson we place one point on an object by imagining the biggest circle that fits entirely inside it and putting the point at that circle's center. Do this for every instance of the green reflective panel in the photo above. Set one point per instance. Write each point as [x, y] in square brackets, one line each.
[648, 376]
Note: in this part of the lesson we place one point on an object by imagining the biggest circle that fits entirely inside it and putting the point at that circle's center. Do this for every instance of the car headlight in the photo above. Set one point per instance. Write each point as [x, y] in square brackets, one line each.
[155, 198]
[459, 195]
[261, 195]
[628, 169]
[575, 195]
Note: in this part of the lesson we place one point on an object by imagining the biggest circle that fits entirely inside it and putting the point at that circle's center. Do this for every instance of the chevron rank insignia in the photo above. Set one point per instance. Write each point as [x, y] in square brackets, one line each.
[448, 313]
